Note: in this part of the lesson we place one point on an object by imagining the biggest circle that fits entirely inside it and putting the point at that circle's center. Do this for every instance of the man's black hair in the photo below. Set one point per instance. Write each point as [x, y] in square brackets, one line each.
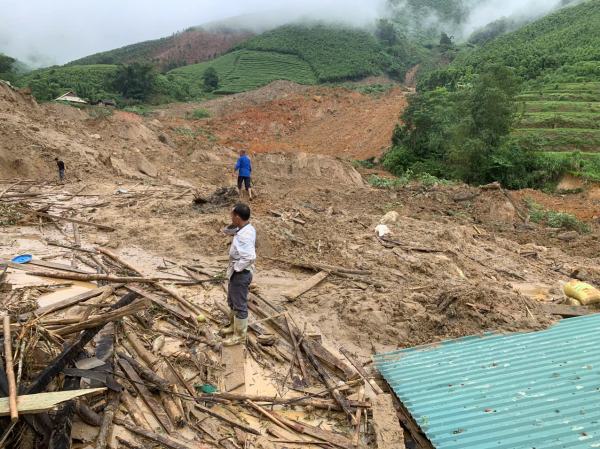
[242, 211]
[55, 158]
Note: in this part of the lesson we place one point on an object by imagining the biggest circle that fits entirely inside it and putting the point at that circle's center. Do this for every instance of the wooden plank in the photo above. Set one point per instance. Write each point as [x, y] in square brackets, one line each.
[233, 358]
[361, 370]
[65, 302]
[305, 286]
[386, 427]
[70, 220]
[159, 301]
[152, 403]
[89, 277]
[564, 310]
[38, 403]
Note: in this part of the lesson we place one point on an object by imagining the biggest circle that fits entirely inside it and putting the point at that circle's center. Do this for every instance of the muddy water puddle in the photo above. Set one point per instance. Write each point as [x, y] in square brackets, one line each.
[532, 290]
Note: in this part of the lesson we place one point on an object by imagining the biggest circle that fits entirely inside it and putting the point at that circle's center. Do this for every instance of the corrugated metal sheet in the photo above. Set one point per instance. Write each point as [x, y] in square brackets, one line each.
[542, 389]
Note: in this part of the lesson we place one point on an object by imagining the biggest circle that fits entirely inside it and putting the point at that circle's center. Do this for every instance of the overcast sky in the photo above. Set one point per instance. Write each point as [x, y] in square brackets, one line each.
[59, 31]
[46, 32]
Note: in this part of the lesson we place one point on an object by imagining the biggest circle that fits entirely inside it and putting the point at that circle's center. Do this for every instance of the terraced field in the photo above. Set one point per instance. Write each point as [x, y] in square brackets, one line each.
[245, 70]
[561, 118]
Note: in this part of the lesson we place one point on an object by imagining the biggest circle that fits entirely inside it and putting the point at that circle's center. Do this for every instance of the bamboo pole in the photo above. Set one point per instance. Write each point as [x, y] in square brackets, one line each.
[116, 258]
[10, 372]
[134, 411]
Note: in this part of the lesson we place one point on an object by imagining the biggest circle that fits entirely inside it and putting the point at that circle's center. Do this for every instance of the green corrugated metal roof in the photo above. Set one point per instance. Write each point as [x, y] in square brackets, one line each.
[542, 389]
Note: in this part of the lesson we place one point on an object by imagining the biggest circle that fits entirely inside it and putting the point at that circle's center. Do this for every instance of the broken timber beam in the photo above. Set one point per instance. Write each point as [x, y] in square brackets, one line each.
[70, 220]
[319, 266]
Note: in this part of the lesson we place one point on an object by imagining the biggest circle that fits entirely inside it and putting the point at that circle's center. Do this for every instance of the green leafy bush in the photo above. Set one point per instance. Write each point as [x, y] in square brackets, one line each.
[376, 181]
[555, 219]
[202, 113]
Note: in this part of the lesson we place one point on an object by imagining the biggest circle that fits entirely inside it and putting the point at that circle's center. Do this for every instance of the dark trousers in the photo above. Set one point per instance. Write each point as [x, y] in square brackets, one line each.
[237, 293]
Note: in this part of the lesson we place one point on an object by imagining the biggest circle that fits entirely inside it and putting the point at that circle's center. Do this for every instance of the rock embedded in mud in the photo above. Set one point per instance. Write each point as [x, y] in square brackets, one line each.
[568, 236]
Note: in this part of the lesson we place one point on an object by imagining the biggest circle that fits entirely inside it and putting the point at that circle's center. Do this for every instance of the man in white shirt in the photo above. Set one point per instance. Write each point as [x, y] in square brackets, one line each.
[242, 258]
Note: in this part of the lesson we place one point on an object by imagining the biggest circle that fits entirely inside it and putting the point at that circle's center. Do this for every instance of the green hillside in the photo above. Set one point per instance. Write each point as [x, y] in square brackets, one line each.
[562, 39]
[333, 53]
[140, 50]
[245, 70]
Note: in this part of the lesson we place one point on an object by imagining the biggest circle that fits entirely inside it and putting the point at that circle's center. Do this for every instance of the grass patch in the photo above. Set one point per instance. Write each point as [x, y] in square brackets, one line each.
[590, 96]
[581, 120]
[558, 139]
[562, 106]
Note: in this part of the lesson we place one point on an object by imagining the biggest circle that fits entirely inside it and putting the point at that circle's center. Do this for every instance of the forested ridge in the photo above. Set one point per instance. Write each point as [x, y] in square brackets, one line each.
[562, 39]
[524, 109]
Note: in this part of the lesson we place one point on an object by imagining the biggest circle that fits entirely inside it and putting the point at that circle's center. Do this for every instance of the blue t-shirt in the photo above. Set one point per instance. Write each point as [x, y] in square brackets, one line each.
[243, 165]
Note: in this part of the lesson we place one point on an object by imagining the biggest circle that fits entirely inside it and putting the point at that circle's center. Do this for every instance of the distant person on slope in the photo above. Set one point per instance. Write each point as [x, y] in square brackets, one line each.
[61, 169]
[243, 176]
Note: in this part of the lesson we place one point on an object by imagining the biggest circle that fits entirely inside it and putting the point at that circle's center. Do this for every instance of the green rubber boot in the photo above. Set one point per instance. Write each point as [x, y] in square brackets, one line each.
[229, 329]
[239, 334]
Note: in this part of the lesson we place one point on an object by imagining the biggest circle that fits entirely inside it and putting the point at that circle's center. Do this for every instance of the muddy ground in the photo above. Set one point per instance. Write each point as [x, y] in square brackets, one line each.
[465, 260]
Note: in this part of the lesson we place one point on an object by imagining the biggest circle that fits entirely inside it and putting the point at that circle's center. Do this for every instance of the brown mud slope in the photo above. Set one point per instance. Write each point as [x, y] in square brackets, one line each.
[322, 120]
[128, 147]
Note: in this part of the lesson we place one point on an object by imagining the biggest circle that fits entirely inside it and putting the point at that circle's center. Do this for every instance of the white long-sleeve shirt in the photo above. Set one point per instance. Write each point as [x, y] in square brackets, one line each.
[242, 255]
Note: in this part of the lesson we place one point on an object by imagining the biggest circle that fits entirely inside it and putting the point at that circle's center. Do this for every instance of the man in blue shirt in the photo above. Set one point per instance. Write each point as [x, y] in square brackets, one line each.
[243, 176]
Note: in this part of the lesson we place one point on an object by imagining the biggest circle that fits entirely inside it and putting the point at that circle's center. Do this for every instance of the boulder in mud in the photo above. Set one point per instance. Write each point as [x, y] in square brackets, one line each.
[568, 236]
[389, 218]
[145, 167]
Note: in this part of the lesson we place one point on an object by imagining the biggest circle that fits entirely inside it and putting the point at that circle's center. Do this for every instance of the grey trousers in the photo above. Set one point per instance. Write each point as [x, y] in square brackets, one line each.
[237, 293]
